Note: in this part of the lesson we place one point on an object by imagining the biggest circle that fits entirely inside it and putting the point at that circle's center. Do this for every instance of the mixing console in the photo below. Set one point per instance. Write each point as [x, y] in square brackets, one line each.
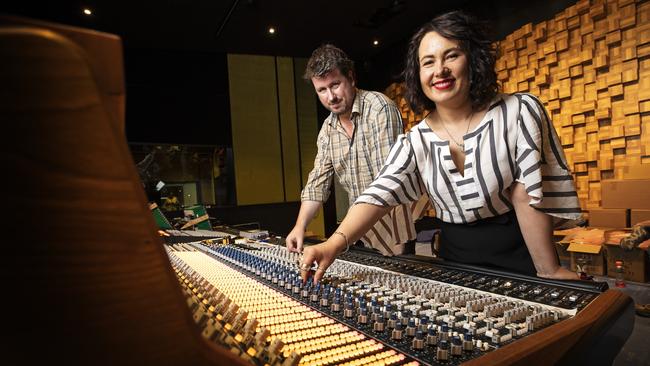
[368, 309]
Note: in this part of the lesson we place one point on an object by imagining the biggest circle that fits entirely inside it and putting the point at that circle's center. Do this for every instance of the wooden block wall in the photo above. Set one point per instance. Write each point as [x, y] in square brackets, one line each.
[590, 66]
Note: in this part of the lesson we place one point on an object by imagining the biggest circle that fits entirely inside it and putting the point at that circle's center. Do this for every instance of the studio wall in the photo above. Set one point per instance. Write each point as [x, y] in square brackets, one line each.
[274, 130]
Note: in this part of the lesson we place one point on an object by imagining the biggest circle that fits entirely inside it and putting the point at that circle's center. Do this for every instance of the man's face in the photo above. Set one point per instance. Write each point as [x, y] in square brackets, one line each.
[335, 91]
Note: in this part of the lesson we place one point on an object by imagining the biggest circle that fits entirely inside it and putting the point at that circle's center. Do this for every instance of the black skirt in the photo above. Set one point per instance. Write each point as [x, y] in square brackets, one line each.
[492, 242]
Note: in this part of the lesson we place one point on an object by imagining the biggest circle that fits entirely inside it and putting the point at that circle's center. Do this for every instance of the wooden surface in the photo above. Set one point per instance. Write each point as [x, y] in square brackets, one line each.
[86, 279]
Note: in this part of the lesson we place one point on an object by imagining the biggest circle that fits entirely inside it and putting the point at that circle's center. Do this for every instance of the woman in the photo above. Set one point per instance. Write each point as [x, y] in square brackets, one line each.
[492, 164]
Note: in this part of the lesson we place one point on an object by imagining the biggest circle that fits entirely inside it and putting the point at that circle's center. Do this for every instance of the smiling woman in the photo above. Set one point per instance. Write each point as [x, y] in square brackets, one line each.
[497, 188]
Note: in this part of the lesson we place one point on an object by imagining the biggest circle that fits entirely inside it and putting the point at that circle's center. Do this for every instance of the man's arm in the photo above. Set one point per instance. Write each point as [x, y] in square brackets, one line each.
[308, 210]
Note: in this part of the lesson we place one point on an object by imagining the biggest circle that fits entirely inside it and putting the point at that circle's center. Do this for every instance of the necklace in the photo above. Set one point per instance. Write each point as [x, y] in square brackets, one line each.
[469, 122]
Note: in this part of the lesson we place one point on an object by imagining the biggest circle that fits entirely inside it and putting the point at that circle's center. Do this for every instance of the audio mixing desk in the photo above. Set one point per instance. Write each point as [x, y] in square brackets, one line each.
[371, 309]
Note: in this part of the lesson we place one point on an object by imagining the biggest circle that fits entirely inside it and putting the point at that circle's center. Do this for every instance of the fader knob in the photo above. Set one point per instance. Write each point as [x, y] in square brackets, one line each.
[418, 341]
[378, 326]
[392, 321]
[410, 327]
[468, 345]
[424, 323]
[363, 316]
[397, 332]
[444, 332]
[336, 304]
[456, 346]
[348, 311]
[442, 353]
[432, 336]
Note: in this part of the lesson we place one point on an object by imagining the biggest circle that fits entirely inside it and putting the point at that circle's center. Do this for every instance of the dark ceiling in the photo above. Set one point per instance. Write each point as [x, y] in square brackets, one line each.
[240, 26]
[175, 65]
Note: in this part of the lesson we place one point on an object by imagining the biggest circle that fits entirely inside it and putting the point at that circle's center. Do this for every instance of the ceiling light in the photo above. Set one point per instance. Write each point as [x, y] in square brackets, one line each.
[271, 30]
[375, 42]
[87, 11]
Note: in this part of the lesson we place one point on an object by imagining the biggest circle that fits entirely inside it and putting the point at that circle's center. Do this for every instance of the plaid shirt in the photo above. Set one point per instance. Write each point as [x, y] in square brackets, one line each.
[357, 161]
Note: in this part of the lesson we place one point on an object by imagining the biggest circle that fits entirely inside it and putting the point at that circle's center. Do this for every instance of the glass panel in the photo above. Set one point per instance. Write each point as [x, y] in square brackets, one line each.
[177, 176]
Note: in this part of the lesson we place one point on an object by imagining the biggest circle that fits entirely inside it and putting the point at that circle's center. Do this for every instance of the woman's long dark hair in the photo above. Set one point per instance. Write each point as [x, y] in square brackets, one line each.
[481, 57]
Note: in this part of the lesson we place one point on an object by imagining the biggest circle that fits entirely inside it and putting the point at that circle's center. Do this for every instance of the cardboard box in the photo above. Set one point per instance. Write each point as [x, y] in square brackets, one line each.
[635, 263]
[562, 253]
[626, 193]
[609, 217]
[637, 215]
[589, 257]
[637, 171]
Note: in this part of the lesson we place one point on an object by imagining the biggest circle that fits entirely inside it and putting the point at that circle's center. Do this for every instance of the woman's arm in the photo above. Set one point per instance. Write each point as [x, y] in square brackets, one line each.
[360, 218]
[537, 230]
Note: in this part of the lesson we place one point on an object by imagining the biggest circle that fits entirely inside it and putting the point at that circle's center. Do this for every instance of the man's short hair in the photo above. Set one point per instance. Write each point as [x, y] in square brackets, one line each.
[326, 59]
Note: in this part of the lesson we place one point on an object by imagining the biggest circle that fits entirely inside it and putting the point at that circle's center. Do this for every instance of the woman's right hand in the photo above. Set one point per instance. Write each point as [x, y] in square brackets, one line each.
[323, 255]
[560, 273]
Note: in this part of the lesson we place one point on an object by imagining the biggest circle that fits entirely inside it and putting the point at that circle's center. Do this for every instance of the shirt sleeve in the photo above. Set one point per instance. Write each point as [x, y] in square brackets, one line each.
[319, 181]
[541, 164]
[389, 124]
[399, 180]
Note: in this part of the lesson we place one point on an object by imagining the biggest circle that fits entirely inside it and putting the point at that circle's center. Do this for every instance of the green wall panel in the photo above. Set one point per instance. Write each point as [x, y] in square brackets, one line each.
[255, 129]
[308, 127]
[289, 129]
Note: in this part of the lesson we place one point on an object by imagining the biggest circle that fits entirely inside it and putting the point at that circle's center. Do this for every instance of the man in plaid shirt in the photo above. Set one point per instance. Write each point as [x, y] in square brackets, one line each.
[353, 144]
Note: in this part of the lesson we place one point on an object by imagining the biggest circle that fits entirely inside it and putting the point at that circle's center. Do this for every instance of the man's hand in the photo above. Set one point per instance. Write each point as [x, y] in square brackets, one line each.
[295, 239]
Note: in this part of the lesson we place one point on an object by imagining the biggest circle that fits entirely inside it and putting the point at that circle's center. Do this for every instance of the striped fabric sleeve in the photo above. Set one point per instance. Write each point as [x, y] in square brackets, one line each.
[319, 181]
[541, 164]
[398, 182]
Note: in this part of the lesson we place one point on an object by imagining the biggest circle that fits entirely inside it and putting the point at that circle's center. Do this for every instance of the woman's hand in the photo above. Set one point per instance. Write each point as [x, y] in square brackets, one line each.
[323, 255]
[560, 273]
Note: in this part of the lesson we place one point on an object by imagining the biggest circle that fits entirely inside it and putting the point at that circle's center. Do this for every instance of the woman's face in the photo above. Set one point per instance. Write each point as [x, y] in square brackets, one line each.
[444, 71]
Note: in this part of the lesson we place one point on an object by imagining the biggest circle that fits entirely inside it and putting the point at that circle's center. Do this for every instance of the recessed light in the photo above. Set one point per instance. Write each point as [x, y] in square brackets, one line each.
[375, 42]
[271, 30]
[87, 11]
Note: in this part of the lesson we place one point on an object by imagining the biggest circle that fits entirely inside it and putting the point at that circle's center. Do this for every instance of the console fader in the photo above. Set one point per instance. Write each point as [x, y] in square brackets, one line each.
[368, 309]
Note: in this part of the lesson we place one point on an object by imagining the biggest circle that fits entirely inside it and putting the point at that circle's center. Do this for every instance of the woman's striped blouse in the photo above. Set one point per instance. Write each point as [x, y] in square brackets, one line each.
[515, 141]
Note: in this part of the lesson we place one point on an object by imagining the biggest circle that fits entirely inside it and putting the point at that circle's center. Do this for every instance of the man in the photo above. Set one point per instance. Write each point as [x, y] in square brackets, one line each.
[353, 144]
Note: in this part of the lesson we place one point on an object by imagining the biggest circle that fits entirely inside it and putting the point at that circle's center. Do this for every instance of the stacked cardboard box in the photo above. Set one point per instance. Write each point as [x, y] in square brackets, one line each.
[632, 195]
[585, 249]
[609, 217]
[635, 261]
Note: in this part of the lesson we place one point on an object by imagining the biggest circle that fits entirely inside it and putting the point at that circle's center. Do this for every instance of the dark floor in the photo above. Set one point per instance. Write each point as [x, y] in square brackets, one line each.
[636, 350]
